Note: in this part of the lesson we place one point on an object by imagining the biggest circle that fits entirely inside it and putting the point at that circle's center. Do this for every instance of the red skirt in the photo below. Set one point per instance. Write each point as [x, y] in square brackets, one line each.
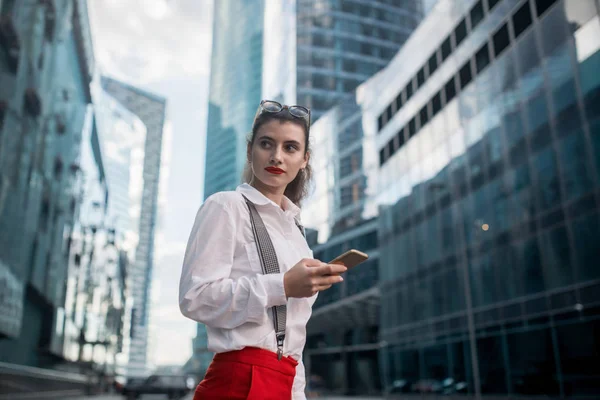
[249, 374]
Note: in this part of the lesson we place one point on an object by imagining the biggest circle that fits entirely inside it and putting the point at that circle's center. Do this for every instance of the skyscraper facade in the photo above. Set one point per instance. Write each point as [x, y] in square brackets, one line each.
[151, 110]
[235, 90]
[340, 44]
[487, 132]
[46, 65]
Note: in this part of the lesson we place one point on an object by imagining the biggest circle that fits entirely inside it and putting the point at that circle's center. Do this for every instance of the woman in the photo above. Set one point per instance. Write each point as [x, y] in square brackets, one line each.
[223, 283]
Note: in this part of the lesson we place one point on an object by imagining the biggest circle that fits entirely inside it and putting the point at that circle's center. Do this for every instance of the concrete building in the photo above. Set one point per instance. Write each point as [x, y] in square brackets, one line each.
[151, 110]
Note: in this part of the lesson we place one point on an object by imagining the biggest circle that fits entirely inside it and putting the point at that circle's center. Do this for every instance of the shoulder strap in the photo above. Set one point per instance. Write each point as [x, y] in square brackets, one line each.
[270, 265]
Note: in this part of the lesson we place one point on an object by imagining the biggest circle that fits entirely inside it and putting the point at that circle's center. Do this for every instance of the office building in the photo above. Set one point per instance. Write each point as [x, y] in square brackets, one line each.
[46, 65]
[487, 130]
[341, 44]
[151, 110]
[104, 238]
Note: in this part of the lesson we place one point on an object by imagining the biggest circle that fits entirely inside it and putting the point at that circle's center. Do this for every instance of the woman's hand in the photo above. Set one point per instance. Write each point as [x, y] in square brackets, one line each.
[310, 276]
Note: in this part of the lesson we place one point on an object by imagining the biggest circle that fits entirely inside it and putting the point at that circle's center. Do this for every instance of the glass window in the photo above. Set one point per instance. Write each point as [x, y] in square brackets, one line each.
[543, 5]
[412, 127]
[482, 58]
[448, 231]
[446, 48]
[579, 349]
[538, 118]
[436, 103]
[530, 73]
[576, 169]
[435, 362]
[460, 363]
[492, 4]
[400, 138]
[507, 273]
[501, 40]
[432, 63]
[548, 191]
[523, 204]
[450, 90]
[409, 90]
[492, 368]
[476, 14]
[586, 231]
[460, 33]
[420, 77]
[465, 74]
[556, 256]
[532, 267]
[595, 134]
[399, 103]
[532, 364]
[410, 365]
[554, 30]
[521, 19]
[424, 116]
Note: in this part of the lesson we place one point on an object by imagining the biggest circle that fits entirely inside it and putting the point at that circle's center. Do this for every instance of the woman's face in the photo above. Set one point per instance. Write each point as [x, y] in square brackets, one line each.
[278, 153]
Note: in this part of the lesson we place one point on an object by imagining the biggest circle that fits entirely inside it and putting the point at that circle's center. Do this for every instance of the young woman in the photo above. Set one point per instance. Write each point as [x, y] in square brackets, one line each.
[223, 283]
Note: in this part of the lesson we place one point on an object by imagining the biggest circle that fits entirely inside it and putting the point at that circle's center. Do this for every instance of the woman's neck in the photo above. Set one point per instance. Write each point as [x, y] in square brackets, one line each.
[275, 194]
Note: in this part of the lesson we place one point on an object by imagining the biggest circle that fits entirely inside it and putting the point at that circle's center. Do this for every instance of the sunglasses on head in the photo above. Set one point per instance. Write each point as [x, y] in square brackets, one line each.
[272, 106]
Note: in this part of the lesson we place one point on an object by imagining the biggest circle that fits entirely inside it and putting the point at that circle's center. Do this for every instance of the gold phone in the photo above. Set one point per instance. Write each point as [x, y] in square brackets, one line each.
[350, 259]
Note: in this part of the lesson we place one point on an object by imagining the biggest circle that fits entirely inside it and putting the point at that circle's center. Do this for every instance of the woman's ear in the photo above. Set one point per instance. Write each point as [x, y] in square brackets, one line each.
[306, 158]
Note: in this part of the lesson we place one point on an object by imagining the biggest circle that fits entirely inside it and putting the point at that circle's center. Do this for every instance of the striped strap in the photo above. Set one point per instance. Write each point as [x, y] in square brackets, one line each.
[270, 265]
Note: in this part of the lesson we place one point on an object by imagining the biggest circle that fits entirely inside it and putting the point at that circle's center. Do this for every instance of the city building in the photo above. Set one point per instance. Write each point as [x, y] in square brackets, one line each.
[313, 53]
[235, 90]
[151, 110]
[341, 44]
[342, 335]
[487, 132]
[97, 309]
[46, 66]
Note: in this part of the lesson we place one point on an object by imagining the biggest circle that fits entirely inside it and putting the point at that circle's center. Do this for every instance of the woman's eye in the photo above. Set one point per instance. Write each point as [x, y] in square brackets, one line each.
[291, 147]
[265, 144]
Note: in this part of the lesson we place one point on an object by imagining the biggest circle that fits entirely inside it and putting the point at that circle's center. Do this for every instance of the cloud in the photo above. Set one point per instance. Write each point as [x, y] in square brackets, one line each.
[167, 38]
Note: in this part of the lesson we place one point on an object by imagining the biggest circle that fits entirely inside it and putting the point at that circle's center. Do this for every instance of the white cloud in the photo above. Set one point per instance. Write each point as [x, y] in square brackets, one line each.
[165, 39]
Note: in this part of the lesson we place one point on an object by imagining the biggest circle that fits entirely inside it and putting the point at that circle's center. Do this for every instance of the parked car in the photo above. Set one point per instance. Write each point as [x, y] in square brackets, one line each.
[174, 386]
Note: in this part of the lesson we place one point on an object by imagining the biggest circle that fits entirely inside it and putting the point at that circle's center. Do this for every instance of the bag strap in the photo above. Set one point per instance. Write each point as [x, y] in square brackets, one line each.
[270, 265]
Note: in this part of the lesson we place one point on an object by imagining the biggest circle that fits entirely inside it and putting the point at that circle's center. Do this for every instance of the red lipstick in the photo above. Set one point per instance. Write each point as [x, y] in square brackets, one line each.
[274, 170]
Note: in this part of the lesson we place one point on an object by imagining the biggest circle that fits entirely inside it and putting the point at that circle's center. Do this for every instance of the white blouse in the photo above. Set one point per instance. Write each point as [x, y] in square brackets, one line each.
[222, 284]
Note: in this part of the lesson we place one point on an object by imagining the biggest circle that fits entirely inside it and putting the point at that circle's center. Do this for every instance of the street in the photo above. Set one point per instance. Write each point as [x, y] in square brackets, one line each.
[190, 396]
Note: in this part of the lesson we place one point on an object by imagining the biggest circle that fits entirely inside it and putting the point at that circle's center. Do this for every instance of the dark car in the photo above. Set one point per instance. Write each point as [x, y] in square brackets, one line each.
[174, 386]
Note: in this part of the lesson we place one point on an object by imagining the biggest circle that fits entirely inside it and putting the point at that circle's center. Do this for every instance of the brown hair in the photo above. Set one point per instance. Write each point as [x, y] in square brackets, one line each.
[296, 190]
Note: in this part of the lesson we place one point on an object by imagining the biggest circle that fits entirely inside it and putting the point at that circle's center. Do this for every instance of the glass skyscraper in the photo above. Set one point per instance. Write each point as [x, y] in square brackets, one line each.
[235, 90]
[487, 128]
[341, 44]
[151, 110]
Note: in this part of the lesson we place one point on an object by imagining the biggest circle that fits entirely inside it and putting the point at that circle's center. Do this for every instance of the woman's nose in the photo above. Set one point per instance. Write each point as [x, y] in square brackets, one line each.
[276, 155]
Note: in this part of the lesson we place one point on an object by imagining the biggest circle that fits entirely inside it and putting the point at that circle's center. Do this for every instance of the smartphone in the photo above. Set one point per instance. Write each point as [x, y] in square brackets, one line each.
[350, 259]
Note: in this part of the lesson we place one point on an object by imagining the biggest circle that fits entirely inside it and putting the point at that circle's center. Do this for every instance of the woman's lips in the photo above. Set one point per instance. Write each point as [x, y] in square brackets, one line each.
[274, 170]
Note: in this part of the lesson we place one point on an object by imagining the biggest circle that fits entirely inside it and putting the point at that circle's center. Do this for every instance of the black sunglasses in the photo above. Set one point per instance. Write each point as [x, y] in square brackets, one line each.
[272, 106]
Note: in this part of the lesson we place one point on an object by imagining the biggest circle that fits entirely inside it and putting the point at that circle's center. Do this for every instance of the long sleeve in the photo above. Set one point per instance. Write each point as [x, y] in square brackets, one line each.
[207, 294]
[299, 387]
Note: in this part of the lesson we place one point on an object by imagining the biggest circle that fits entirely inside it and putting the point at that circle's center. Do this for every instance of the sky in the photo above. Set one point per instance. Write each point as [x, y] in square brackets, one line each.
[164, 46]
